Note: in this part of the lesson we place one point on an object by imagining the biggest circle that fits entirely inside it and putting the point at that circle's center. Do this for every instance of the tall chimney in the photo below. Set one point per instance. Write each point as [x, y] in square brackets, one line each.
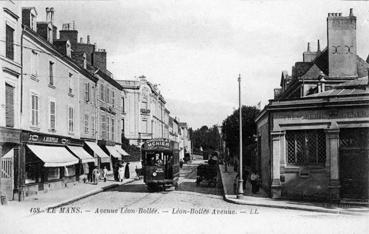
[88, 39]
[47, 14]
[318, 46]
[308, 48]
[52, 15]
[351, 12]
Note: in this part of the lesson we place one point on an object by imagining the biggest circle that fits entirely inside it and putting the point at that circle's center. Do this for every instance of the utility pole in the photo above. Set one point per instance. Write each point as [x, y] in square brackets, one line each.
[240, 179]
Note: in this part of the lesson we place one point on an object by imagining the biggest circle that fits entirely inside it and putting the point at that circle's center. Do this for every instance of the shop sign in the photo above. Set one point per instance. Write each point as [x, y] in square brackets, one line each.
[157, 143]
[32, 137]
[328, 114]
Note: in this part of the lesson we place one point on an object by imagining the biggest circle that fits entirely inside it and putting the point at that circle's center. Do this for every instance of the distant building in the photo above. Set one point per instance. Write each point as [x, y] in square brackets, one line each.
[312, 138]
[146, 113]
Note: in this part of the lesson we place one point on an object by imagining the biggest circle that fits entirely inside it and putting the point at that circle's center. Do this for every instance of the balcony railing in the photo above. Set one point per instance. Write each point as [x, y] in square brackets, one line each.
[145, 111]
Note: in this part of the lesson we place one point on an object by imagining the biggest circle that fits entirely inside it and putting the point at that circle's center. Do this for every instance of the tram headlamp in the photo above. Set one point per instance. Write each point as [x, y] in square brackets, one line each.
[154, 174]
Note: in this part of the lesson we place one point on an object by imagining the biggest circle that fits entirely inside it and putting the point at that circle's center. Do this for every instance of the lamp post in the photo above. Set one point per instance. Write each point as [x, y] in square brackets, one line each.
[240, 179]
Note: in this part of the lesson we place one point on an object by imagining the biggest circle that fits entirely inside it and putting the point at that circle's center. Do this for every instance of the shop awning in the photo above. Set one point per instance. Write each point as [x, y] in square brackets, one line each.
[113, 152]
[81, 153]
[120, 150]
[53, 156]
[98, 151]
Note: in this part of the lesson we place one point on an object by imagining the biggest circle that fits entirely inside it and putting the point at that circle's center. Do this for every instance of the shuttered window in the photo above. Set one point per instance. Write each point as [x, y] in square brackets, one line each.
[70, 119]
[86, 124]
[87, 92]
[9, 42]
[52, 115]
[9, 102]
[93, 125]
[112, 129]
[34, 110]
[51, 73]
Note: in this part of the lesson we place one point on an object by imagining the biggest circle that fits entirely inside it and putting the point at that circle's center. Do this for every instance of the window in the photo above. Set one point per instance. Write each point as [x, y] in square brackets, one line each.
[306, 147]
[9, 42]
[123, 105]
[107, 128]
[34, 63]
[93, 125]
[102, 92]
[51, 73]
[112, 98]
[34, 109]
[86, 124]
[103, 127]
[144, 126]
[112, 129]
[87, 92]
[52, 112]
[9, 105]
[107, 95]
[70, 119]
[53, 173]
[70, 83]
[123, 126]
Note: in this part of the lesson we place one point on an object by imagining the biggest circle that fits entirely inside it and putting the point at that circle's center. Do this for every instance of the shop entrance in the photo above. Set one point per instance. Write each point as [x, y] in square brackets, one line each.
[354, 153]
[7, 174]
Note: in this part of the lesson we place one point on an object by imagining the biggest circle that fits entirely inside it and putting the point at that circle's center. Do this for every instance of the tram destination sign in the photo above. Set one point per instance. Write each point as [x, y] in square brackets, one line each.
[157, 143]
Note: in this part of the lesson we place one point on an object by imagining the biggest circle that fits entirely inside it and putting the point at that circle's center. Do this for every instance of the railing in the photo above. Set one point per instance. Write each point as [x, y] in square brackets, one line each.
[145, 111]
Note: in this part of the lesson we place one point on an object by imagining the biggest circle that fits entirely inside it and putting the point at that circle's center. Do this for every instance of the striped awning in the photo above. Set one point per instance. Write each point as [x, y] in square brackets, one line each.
[120, 150]
[81, 154]
[53, 156]
[98, 151]
[113, 152]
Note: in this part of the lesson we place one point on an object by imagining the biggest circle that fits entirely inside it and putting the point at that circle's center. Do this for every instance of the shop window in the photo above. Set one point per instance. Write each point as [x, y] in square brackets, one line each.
[70, 171]
[33, 172]
[53, 173]
[306, 147]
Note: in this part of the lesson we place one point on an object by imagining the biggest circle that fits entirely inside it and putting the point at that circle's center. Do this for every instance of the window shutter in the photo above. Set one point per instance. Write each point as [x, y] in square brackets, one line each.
[9, 112]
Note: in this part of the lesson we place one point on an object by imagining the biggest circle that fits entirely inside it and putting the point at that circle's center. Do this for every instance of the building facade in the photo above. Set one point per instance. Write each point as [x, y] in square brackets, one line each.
[10, 92]
[312, 138]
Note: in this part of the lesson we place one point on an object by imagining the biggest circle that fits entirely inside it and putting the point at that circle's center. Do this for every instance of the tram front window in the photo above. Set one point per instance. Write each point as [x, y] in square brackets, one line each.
[155, 159]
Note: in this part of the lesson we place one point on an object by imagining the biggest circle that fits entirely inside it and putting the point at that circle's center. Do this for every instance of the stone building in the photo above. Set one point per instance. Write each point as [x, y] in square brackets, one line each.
[10, 97]
[145, 111]
[312, 137]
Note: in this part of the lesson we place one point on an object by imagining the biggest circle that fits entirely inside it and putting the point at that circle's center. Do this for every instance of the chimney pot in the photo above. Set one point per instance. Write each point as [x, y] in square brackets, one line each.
[351, 12]
[88, 39]
[308, 48]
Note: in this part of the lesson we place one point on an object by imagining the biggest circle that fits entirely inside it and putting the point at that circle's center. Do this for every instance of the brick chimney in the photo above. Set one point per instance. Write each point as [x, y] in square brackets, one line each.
[341, 38]
[99, 59]
[69, 33]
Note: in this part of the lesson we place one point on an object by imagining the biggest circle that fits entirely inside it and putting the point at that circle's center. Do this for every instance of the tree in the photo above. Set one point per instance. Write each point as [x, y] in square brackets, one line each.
[206, 138]
[230, 131]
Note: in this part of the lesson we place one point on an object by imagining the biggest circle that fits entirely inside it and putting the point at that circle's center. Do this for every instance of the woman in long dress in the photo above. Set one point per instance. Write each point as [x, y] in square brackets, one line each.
[121, 173]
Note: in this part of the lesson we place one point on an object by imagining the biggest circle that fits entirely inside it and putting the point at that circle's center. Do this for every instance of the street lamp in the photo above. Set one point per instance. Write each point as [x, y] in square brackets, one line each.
[240, 179]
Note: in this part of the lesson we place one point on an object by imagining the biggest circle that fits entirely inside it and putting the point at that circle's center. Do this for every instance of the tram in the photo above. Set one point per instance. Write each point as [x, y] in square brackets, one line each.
[160, 163]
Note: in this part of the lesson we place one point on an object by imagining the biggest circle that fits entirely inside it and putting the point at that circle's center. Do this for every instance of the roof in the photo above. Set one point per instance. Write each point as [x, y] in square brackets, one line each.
[363, 81]
[339, 92]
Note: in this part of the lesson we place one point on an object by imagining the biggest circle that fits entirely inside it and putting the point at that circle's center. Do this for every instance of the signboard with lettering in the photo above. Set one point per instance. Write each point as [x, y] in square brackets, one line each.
[42, 138]
[157, 144]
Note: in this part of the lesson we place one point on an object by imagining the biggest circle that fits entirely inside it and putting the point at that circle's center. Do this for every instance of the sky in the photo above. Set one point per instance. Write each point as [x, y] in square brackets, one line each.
[195, 50]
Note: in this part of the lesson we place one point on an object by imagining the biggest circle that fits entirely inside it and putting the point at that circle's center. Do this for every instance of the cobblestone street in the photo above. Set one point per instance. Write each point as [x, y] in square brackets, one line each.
[132, 207]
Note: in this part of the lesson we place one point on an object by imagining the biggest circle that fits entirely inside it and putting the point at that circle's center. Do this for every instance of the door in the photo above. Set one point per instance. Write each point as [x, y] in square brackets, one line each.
[7, 174]
[354, 153]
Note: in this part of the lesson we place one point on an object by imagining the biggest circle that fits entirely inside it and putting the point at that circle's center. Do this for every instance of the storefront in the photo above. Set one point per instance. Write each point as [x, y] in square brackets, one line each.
[103, 159]
[86, 162]
[44, 163]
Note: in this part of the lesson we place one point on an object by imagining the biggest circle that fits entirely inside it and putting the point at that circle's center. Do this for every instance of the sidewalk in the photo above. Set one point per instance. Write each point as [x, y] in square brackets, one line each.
[262, 199]
[62, 197]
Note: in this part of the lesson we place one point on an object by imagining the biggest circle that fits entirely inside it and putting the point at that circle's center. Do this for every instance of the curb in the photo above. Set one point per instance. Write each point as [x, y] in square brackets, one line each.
[88, 194]
[244, 202]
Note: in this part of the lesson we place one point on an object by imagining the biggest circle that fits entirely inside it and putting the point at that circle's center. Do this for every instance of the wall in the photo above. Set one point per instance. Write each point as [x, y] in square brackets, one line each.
[264, 154]
[37, 81]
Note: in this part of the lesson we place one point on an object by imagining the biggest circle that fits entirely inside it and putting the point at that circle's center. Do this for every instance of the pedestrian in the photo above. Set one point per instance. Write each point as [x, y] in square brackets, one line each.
[254, 178]
[121, 173]
[96, 175]
[126, 171]
[105, 173]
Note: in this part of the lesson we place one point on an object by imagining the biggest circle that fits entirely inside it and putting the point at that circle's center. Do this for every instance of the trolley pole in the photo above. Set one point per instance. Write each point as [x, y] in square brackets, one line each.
[240, 179]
